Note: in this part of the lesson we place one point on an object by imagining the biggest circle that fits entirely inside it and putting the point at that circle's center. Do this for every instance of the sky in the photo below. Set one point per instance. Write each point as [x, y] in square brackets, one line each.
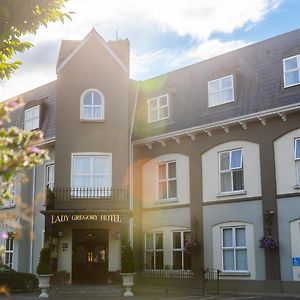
[164, 35]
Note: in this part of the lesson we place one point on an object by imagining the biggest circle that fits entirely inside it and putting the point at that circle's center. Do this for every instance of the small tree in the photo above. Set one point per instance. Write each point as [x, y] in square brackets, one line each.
[127, 264]
[43, 266]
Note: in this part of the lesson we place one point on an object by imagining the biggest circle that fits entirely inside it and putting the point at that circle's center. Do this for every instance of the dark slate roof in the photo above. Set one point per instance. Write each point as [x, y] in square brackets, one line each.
[46, 96]
[258, 74]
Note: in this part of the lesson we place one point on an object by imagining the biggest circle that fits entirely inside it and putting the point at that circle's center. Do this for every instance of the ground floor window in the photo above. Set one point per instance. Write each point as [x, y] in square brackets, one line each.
[181, 256]
[234, 250]
[154, 251]
[9, 251]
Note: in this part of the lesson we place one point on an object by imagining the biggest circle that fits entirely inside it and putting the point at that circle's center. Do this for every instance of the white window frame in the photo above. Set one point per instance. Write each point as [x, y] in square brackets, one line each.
[167, 180]
[28, 123]
[297, 161]
[158, 108]
[82, 117]
[181, 249]
[153, 250]
[293, 70]
[231, 170]
[219, 80]
[9, 252]
[91, 154]
[234, 248]
[49, 183]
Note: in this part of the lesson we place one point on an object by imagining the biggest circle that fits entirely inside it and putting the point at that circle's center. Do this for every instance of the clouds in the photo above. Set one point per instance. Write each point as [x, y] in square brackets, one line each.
[164, 35]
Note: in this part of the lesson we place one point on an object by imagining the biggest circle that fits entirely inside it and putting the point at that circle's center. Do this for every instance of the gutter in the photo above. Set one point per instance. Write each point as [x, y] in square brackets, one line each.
[32, 218]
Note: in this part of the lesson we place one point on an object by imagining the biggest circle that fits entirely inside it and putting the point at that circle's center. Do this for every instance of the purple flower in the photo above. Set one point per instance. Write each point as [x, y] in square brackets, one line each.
[35, 149]
[268, 243]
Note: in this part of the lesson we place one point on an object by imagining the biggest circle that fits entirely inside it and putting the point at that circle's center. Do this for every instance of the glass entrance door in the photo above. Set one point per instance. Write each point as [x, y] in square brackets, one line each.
[90, 256]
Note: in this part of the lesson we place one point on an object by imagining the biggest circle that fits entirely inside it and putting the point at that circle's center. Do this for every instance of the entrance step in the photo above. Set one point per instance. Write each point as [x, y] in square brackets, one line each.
[87, 290]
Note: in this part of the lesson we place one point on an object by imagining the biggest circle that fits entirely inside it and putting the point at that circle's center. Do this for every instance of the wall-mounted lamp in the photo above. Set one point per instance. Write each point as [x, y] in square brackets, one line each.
[60, 233]
[117, 235]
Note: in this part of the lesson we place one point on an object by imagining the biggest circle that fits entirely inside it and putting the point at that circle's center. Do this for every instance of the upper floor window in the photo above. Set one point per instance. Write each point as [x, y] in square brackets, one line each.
[167, 180]
[32, 118]
[220, 91]
[50, 168]
[291, 69]
[231, 171]
[154, 251]
[91, 171]
[92, 106]
[182, 259]
[297, 160]
[234, 249]
[158, 108]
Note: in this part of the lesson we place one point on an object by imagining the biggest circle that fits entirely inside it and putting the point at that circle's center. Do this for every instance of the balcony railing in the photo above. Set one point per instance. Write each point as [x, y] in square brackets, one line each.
[87, 199]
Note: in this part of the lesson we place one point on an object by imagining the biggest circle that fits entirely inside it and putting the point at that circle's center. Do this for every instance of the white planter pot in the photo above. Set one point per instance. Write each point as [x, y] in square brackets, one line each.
[44, 284]
[128, 283]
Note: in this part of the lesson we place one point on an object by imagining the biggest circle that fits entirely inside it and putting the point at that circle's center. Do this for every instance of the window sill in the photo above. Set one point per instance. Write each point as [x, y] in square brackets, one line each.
[91, 121]
[291, 85]
[297, 187]
[243, 273]
[234, 193]
[171, 200]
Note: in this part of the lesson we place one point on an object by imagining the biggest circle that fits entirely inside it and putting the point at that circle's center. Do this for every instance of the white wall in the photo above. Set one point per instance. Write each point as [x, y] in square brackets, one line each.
[251, 165]
[285, 162]
[150, 180]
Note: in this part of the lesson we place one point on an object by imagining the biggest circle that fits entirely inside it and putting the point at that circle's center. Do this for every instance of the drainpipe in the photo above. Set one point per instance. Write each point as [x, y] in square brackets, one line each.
[32, 218]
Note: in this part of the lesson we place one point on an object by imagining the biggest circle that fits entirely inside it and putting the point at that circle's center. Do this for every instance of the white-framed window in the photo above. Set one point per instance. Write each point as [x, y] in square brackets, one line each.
[234, 249]
[231, 171]
[167, 180]
[50, 171]
[32, 118]
[220, 91]
[92, 105]
[297, 160]
[154, 251]
[158, 108]
[182, 259]
[291, 70]
[91, 171]
[9, 252]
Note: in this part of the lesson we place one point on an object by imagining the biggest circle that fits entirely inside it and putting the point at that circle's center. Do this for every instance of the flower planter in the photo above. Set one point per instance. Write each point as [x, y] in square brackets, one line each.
[44, 284]
[128, 283]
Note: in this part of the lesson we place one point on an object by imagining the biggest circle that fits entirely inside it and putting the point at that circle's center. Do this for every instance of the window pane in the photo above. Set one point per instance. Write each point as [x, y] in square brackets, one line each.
[214, 99]
[173, 189]
[241, 260]
[87, 100]
[290, 63]
[226, 82]
[162, 174]
[153, 104]
[227, 237]
[97, 98]
[87, 112]
[35, 123]
[177, 260]
[149, 241]
[236, 159]
[224, 161]
[159, 260]
[214, 87]
[97, 112]
[162, 190]
[298, 171]
[240, 237]
[158, 241]
[228, 260]
[163, 101]
[238, 180]
[187, 260]
[35, 112]
[81, 181]
[297, 151]
[153, 115]
[100, 165]
[150, 260]
[292, 78]
[163, 112]
[227, 95]
[172, 170]
[81, 165]
[226, 182]
[176, 240]
[28, 114]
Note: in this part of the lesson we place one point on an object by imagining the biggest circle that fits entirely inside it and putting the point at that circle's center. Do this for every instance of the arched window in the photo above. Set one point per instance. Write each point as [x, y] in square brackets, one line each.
[92, 105]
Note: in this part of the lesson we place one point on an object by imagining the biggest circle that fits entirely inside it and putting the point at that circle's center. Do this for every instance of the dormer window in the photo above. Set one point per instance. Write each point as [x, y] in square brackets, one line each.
[158, 108]
[32, 118]
[92, 106]
[291, 69]
[220, 91]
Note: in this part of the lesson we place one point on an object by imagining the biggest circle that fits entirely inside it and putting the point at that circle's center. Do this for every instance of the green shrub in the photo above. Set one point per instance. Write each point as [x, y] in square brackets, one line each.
[128, 264]
[43, 266]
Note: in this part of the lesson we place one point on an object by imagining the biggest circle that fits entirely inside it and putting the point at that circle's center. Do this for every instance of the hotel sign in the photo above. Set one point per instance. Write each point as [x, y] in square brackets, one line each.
[65, 218]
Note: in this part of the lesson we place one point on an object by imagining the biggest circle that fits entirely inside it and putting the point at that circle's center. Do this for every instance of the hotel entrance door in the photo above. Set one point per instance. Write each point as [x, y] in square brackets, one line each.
[90, 256]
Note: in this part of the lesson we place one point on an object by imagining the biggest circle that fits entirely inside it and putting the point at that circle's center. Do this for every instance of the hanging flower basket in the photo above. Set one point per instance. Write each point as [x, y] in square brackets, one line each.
[268, 243]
